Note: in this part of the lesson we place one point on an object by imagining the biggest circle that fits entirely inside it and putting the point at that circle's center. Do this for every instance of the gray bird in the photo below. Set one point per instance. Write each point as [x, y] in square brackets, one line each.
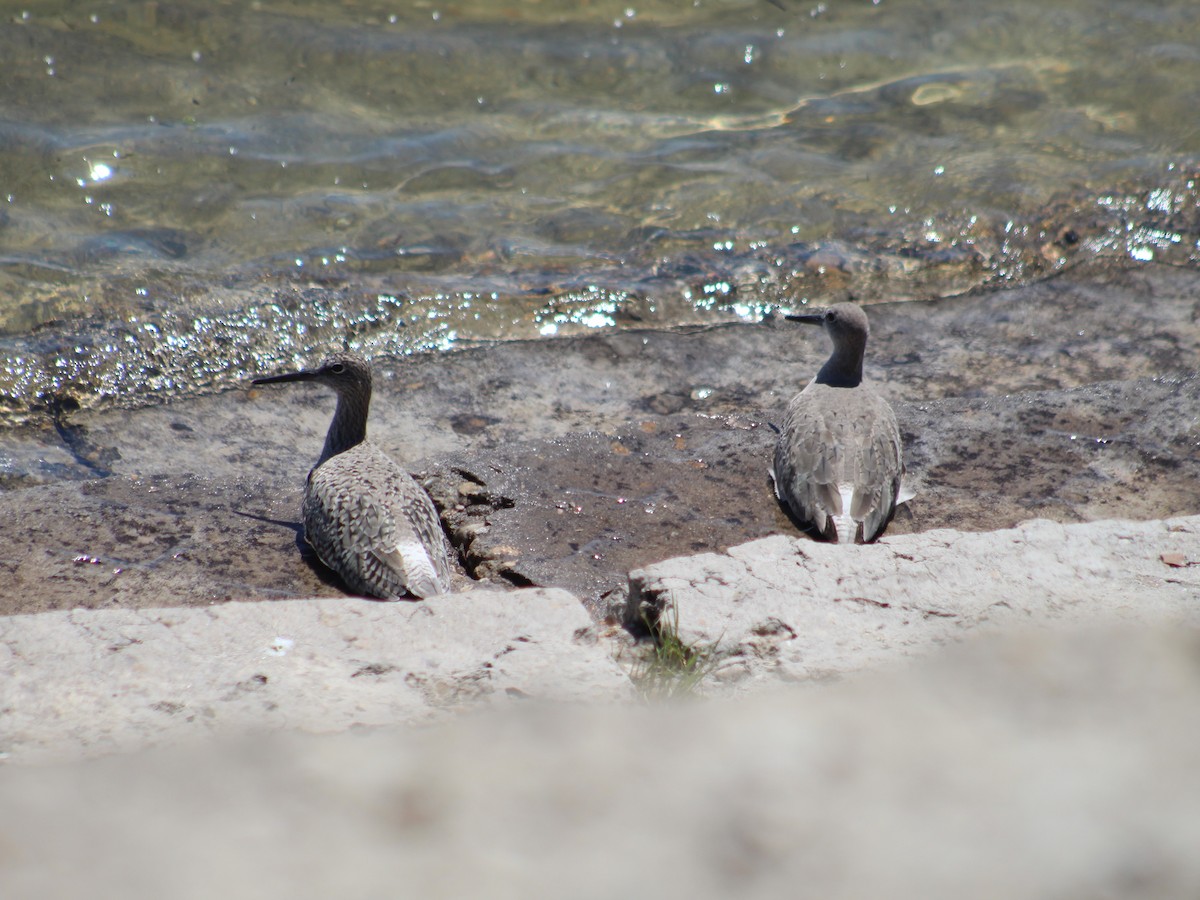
[838, 461]
[364, 516]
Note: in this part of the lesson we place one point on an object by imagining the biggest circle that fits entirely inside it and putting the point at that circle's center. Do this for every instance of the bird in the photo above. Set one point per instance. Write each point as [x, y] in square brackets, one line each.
[839, 459]
[364, 516]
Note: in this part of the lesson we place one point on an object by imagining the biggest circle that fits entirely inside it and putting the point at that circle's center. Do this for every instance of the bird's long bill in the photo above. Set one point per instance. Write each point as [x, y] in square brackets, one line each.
[290, 376]
[812, 318]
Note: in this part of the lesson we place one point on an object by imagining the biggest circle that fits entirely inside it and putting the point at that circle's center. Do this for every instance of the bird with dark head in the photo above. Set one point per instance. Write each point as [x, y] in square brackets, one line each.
[364, 516]
[839, 461]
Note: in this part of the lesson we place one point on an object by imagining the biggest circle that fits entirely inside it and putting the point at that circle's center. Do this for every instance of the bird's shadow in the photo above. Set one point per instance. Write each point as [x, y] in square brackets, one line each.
[326, 575]
[808, 529]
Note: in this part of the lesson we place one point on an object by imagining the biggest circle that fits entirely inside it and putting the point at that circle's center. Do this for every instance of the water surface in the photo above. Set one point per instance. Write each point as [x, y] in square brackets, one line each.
[194, 192]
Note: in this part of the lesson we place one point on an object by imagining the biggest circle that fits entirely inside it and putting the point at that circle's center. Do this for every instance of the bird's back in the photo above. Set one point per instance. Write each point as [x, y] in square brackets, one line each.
[838, 461]
[371, 523]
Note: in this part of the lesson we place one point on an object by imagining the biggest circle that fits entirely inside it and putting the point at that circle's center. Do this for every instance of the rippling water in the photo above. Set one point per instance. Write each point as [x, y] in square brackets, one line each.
[194, 191]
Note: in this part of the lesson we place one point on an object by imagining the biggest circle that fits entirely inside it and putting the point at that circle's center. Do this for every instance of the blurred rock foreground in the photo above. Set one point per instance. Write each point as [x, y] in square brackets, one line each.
[1044, 763]
[1001, 698]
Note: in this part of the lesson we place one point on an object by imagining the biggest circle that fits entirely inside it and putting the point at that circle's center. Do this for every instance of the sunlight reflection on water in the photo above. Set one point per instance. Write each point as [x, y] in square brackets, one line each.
[196, 190]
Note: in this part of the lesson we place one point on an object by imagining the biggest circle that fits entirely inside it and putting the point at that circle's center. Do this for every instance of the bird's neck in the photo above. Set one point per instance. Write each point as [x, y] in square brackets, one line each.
[349, 426]
[844, 368]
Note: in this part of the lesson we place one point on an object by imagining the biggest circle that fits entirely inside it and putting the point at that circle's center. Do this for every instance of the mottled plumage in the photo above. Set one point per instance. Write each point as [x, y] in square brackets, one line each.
[364, 516]
[838, 462]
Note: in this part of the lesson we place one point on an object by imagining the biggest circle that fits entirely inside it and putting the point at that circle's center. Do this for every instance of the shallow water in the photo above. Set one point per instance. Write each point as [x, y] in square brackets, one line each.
[196, 192]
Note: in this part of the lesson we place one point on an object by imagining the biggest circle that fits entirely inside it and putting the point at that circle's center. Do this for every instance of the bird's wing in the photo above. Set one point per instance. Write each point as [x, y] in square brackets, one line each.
[837, 465]
[808, 465]
[878, 470]
[420, 541]
[376, 528]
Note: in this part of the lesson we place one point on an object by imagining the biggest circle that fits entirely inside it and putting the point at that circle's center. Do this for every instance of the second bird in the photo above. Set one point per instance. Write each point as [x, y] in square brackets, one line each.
[364, 516]
[839, 462]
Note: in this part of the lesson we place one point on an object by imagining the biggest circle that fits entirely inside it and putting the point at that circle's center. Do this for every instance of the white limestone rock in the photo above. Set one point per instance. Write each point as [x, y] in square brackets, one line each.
[94, 681]
[794, 609]
[1050, 763]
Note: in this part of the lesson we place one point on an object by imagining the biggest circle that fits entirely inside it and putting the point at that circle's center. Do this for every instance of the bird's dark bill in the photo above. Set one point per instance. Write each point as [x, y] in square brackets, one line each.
[814, 318]
[290, 376]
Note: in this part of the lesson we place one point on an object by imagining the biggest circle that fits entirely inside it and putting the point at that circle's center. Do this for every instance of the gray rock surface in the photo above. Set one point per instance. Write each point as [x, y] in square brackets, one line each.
[947, 735]
[780, 609]
[93, 681]
[1046, 764]
[797, 610]
[1075, 400]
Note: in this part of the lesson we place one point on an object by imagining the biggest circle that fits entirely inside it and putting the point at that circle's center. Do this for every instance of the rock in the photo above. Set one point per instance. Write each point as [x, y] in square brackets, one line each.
[580, 511]
[95, 681]
[1044, 764]
[145, 542]
[1110, 450]
[568, 463]
[797, 610]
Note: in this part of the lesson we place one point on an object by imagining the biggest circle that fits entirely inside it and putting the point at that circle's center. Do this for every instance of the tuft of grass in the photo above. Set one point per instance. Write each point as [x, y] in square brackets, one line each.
[673, 668]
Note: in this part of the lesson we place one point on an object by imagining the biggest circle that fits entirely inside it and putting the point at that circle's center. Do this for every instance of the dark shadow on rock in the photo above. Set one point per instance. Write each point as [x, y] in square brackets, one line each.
[295, 527]
[326, 575]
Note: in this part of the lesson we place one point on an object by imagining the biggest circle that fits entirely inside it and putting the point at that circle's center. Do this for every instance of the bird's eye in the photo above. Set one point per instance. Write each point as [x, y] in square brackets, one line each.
[337, 368]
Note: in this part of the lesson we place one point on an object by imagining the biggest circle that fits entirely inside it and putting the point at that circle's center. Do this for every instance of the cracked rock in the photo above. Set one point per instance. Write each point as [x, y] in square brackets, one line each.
[796, 610]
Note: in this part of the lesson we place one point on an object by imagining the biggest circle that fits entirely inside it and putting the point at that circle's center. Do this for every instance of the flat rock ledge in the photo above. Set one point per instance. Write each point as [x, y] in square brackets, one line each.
[87, 682]
[790, 609]
[781, 609]
[1048, 763]
[1058, 728]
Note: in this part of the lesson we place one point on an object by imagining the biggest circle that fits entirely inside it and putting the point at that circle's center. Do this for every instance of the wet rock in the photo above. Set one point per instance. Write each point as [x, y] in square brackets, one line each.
[1112, 450]
[1076, 399]
[798, 610]
[581, 510]
[129, 541]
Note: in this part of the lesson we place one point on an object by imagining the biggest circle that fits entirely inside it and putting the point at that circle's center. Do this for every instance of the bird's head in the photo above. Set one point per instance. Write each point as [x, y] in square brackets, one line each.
[347, 373]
